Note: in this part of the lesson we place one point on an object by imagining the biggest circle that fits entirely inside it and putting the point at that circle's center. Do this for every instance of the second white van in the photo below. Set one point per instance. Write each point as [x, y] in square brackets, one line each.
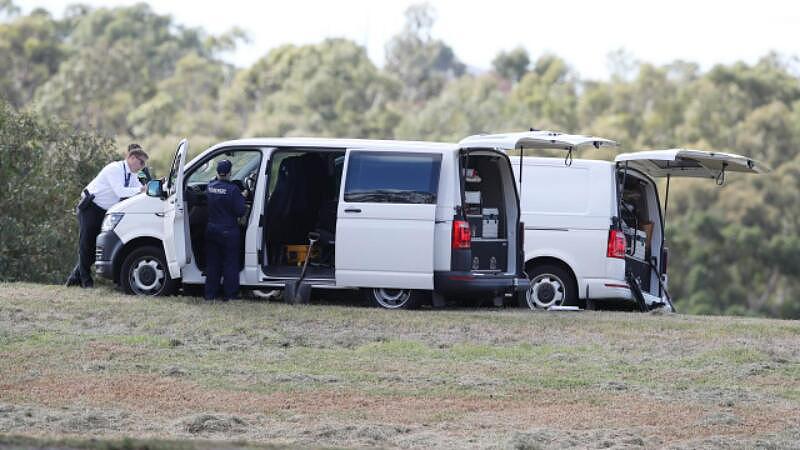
[594, 230]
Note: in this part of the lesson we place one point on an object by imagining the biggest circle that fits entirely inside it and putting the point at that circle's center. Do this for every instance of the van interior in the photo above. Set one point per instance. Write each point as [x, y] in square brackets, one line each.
[485, 200]
[640, 214]
[244, 173]
[303, 196]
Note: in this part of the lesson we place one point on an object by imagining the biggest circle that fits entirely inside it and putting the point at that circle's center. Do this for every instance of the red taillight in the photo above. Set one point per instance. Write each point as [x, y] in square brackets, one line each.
[616, 244]
[461, 234]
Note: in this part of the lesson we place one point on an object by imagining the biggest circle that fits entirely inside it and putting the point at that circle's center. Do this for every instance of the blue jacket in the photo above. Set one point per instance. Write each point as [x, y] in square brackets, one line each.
[225, 203]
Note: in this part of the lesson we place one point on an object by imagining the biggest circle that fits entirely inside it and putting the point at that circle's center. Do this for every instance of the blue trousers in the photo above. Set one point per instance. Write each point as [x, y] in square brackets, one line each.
[222, 261]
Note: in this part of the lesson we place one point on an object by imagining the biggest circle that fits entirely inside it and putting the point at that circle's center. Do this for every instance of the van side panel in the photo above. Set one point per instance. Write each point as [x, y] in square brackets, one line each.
[567, 212]
[387, 244]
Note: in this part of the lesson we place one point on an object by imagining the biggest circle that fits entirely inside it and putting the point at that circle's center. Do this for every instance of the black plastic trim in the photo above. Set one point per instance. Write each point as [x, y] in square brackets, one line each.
[469, 284]
[107, 247]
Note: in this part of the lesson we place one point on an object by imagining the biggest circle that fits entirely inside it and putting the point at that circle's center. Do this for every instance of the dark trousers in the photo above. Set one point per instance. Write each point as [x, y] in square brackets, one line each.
[222, 260]
[89, 221]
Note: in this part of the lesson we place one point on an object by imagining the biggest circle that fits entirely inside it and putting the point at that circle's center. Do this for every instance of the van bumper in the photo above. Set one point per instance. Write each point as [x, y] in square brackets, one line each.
[469, 284]
[107, 247]
[602, 288]
[609, 289]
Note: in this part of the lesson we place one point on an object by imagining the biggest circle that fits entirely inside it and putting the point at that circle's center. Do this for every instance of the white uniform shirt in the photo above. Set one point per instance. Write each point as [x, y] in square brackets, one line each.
[108, 186]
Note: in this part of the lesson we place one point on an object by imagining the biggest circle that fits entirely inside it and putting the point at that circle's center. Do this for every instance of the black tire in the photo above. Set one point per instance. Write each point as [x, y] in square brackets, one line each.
[394, 298]
[551, 285]
[145, 272]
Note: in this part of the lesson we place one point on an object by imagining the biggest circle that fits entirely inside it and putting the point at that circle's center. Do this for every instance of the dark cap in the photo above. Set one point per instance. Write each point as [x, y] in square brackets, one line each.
[224, 167]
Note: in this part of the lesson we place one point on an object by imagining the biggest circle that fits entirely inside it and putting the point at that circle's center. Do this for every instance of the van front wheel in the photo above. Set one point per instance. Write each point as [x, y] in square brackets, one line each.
[145, 272]
[551, 285]
[393, 298]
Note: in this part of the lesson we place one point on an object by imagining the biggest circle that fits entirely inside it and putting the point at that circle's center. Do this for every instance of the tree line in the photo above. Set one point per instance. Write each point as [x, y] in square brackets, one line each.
[78, 87]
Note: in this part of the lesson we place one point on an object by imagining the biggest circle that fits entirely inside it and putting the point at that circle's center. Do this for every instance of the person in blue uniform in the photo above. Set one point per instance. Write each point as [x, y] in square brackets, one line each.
[225, 206]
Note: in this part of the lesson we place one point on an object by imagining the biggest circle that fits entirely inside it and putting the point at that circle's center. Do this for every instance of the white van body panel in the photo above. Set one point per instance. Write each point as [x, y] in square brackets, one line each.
[385, 245]
[141, 218]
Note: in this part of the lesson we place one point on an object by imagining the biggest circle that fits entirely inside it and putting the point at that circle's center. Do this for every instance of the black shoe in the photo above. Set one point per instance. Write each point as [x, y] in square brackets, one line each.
[72, 282]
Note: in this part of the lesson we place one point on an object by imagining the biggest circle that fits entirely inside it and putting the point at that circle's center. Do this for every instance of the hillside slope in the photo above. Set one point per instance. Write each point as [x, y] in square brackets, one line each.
[101, 364]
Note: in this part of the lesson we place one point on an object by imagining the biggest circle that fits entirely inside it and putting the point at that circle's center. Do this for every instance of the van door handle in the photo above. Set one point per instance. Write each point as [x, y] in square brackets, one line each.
[160, 214]
[352, 210]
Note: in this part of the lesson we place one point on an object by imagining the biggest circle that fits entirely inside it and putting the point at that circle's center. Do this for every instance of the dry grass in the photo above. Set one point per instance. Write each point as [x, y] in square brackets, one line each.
[99, 364]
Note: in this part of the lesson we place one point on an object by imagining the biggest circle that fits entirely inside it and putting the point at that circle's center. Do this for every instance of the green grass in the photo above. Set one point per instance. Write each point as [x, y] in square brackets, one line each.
[269, 348]
[26, 442]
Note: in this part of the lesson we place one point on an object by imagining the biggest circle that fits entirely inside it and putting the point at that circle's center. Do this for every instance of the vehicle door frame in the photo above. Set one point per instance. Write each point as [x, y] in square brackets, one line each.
[176, 227]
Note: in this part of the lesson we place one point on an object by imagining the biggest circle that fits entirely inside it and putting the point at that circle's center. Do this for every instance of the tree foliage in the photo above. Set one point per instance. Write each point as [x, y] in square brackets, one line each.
[512, 65]
[43, 167]
[421, 63]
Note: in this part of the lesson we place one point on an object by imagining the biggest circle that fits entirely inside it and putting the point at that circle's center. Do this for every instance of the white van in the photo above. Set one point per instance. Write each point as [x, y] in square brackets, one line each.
[594, 230]
[391, 216]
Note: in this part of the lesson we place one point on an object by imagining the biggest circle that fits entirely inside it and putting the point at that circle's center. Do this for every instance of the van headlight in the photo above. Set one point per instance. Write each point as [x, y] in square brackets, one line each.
[111, 221]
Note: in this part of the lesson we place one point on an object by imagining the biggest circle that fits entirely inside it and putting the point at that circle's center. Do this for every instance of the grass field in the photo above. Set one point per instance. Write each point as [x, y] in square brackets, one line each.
[78, 364]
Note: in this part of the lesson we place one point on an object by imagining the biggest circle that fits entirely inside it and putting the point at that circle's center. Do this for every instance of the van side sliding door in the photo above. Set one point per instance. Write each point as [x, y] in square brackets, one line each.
[385, 219]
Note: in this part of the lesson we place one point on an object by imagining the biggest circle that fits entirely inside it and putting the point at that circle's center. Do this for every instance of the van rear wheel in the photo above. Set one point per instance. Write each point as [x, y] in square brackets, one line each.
[145, 272]
[393, 298]
[551, 285]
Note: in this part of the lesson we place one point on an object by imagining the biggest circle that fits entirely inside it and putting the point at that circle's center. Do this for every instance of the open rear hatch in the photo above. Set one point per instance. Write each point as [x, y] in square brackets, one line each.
[534, 140]
[665, 164]
[490, 196]
[690, 163]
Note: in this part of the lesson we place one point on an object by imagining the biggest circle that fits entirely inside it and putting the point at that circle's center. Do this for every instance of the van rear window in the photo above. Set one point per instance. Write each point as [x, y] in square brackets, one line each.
[392, 177]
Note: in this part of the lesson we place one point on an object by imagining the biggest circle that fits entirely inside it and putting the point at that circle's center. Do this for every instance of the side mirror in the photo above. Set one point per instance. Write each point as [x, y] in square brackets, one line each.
[154, 189]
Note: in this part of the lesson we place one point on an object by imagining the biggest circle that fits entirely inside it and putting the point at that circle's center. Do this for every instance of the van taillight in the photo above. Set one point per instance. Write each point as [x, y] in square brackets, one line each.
[616, 244]
[461, 234]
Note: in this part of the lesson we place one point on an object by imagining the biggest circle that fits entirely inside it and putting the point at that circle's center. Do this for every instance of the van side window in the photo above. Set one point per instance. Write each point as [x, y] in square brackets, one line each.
[390, 177]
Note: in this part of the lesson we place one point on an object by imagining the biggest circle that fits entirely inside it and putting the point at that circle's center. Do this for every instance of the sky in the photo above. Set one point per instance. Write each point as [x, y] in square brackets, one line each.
[584, 33]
